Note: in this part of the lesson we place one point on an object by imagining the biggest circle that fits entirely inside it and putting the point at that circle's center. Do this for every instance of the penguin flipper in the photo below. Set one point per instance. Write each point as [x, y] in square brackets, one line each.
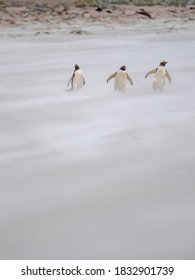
[129, 79]
[111, 77]
[168, 77]
[83, 81]
[70, 80]
[151, 72]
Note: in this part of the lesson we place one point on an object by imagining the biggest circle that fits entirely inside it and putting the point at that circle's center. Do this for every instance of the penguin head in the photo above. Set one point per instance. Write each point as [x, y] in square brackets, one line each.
[76, 67]
[123, 68]
[163, 63]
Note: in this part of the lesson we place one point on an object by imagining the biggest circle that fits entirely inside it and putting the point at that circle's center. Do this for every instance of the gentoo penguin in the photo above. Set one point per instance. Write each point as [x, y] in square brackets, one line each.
[77, 80]
[160, 75]
[121, 78]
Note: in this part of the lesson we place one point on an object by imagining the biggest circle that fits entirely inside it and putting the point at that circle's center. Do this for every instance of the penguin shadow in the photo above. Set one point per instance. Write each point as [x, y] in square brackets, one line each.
[68, 90]
[80, 92]
[71, 91]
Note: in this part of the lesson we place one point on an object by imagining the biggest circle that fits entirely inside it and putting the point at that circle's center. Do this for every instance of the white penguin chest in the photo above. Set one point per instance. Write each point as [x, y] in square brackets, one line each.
[121, 77]
[161, 73]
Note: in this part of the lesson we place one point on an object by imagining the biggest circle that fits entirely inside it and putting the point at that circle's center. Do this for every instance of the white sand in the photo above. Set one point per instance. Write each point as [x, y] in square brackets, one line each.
[96, 174]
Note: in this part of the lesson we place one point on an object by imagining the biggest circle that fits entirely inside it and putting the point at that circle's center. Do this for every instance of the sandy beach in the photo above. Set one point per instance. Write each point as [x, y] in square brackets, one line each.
[96, 174]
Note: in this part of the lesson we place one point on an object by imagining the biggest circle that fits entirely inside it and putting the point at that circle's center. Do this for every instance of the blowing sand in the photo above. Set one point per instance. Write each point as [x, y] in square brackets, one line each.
[96, 174]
